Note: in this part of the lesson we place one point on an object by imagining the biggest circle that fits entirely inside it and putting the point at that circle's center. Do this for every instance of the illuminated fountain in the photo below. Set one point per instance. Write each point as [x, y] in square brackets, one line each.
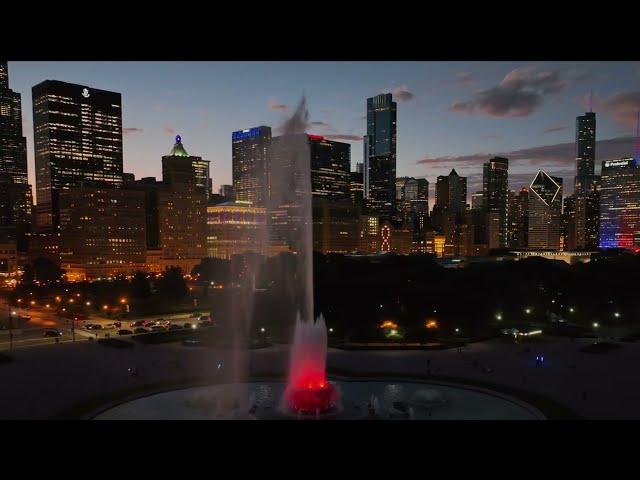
[308, 391]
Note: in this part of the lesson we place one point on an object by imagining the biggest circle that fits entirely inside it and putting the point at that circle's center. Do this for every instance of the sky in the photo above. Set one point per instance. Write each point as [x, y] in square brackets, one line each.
[450, 114]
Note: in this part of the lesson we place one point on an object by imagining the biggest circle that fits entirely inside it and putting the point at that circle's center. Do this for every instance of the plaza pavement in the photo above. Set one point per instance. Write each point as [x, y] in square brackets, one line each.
[72, 379]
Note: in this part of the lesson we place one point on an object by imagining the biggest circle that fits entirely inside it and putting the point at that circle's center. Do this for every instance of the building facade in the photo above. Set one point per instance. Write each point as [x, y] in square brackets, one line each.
[250, 153]
[77, 136]
[234, 228]
[545, 212]
[330, 168]
[180, 167]
[620, 204]
[102, 232]
[380, 154]
[495, 182]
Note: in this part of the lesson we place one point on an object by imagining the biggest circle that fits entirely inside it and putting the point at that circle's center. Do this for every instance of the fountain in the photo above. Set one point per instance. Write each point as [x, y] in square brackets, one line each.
[308, 391]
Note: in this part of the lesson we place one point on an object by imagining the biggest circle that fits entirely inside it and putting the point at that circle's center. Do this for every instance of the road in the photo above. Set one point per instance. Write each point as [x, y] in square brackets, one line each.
[30, 333]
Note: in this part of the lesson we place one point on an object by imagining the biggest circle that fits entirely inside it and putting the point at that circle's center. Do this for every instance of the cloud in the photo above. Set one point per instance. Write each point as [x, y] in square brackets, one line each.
[279, 107]
[169, 130]
[131, 130]
[557, 155]
[555, 128]
[623, 108]
[519, 94]
[402, 94]
[465, 79]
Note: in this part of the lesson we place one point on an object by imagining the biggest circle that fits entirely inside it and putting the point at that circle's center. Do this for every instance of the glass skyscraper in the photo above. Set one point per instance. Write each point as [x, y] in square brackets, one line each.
[330, 168]
[586, 184]
[250, 153]
[77, 137]
[545, 212]
[380, 154]
[620, 204]
[495, 183]
[15, 194]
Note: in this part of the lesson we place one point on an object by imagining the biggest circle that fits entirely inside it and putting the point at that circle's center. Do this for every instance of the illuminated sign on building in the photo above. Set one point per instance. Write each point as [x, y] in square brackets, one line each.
[618, 163]
[248, 133]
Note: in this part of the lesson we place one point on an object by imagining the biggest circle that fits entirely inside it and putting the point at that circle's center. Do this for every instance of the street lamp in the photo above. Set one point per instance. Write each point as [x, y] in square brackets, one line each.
[571, 310]
[527, 311]
[498, 316]
[88, 304]
[617, 314]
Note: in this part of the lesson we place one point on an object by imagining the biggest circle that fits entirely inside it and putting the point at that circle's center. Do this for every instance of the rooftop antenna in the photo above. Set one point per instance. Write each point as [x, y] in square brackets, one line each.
[636, 152]
[590, 101]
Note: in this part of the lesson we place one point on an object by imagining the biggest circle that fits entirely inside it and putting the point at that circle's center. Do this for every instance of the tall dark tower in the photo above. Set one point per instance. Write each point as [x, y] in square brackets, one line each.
[585, 153]
[380, 154]
[586, 183]
[15, 198]
[180, 167]
[77, 138]
[495, 184]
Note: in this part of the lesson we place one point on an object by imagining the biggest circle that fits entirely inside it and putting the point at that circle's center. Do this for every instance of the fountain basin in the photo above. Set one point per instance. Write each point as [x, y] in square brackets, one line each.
[360, 400]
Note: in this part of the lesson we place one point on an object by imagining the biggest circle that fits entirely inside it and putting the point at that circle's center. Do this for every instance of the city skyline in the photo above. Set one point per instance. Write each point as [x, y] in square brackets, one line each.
[449, 113]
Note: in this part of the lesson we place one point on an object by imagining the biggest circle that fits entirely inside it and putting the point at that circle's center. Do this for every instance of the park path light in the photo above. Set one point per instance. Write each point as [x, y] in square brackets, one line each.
[616, 314]
[105, 307]
[88, 304]
[596, 324]
[498, 316]
[330, 330]
[571, 309]
[527, 310]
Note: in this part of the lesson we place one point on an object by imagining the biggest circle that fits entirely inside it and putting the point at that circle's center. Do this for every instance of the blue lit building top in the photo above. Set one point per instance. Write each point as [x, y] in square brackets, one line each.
[247, 133]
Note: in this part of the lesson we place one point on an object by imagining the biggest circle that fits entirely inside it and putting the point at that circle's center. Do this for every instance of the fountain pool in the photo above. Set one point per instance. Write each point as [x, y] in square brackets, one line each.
[360, 400]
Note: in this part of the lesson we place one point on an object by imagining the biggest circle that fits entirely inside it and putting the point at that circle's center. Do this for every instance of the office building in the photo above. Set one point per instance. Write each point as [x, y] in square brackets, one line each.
[495, 183]
[250, 151]
[620, 204]
[380, 154]
[180, 167]
[518, 219]
[545, 212]
[234, 228]
[330, 168]
[102, 232]
[77, 136]
[15, 193]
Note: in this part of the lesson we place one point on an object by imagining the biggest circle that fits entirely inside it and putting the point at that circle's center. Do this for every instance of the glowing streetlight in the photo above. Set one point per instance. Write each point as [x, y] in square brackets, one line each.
[262, 329]
[88, 304]
[457, 330]
[498, 317]
[571, 309]
[596, 324]
[123, 300]
[330, 330]
[48, 306]
[527, 310]
[617, 314]
[105, 307]
[71, 300]
[32, 302]
[19, 300]
[58, 299]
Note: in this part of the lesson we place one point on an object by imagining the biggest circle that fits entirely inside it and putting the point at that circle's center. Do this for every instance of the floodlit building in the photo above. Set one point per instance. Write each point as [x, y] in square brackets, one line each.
[545, 212]
[620, 204]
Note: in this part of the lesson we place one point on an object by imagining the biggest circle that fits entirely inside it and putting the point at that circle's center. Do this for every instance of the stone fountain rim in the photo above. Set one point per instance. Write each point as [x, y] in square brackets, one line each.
[92, 413]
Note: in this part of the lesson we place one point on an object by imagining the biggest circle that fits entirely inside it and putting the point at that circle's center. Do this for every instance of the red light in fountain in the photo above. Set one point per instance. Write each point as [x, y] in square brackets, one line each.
[308, 390]
[310, 393]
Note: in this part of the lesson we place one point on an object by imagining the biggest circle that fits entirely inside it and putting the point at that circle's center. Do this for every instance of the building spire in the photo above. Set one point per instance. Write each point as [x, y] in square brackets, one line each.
[590, 101]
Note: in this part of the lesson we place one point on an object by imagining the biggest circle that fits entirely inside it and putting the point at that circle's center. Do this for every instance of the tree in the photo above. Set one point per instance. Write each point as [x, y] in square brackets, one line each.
[140, 285]
[172, 284]
[42, 270]
[212, 270]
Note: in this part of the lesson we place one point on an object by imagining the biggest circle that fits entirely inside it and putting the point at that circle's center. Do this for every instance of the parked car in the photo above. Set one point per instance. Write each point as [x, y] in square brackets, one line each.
[194, 315]
[117, 324]
[158, 328]
[189, 325]
[148, 323]
[206, 323]
[124, 332]
[53, 332]
[174, 326]
[109, 326]
[140, 330]
[192, 343]
[137, 323]
[204, 318]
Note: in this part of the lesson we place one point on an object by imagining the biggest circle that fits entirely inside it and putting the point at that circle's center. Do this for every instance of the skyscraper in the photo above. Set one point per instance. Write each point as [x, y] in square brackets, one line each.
[380, 154]
[77, 136]
[250, 152]
[495, 183]
[545, 212]
[518, 218]
[586, 184]
[620, 204]
[13, 146]
[449, 209]
[330, 168]
[585, 153]
[180, 167]
[15, 198]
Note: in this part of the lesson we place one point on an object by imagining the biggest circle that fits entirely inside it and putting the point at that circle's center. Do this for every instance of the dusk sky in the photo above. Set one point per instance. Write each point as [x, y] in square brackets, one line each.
[450, 114]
